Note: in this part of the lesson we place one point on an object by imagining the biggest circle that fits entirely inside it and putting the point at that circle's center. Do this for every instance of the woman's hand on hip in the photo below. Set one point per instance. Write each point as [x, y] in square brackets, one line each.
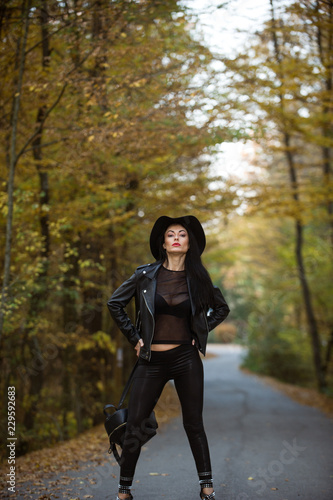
[138, 346]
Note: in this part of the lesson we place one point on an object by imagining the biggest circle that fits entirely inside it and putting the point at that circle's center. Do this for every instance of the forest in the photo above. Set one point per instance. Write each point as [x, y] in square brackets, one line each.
[112, 114]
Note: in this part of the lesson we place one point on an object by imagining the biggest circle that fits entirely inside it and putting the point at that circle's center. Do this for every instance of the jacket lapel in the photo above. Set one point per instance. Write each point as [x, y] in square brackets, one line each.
[149, 288]
[190, 295]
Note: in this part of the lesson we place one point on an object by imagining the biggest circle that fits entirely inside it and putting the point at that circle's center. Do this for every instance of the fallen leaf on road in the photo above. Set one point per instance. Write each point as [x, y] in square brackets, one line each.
[250, 478]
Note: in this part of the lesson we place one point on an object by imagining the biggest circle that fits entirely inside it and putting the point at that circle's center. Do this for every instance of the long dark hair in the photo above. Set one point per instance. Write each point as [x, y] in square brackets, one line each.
[202, 289]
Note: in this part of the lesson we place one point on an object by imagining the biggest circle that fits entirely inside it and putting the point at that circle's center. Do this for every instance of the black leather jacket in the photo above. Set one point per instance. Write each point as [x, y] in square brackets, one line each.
[142, 286]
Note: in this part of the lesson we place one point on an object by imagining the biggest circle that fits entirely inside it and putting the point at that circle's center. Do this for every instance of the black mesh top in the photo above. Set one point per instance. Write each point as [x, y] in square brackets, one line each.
[172, 308]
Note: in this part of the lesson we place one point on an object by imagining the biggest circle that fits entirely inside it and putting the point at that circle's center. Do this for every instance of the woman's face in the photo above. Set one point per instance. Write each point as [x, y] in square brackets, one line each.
[176, 240]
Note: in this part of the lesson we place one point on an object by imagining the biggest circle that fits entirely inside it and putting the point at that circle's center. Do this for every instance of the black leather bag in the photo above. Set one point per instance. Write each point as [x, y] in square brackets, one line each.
[115, 424]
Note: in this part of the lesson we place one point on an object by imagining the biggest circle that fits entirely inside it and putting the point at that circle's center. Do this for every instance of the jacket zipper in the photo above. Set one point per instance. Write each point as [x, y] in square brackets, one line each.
[138, 321]
[206, 321]
[190, 295]
[151, 338]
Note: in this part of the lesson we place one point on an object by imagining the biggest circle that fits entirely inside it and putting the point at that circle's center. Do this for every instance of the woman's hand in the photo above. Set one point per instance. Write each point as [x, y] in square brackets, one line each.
[138, 346]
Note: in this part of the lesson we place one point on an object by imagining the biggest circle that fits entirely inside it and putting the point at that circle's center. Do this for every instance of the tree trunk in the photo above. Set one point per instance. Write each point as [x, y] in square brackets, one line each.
[306, 293]
[309, 311]
[326, 56]
[70, 321]
[12, 160]
[39, 297]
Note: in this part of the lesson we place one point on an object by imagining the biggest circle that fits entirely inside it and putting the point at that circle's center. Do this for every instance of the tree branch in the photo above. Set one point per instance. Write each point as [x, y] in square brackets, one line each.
[40, 127]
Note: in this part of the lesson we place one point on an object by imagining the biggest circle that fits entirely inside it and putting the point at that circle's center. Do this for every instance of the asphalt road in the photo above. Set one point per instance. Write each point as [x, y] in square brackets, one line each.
[263, 446]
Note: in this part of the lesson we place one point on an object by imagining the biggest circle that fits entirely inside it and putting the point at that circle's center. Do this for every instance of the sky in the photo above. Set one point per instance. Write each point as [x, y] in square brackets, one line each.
[226, 30]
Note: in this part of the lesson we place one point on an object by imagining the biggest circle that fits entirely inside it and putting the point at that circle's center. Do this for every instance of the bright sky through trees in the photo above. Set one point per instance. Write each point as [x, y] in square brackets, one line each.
[226, 29]
[226, 26]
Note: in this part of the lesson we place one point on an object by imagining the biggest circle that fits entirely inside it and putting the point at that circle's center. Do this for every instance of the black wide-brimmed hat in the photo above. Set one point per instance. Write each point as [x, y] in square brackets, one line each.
[189, 221]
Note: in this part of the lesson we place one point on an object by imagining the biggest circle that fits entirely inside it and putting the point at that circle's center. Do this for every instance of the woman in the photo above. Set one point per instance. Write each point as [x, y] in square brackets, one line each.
[176, 305]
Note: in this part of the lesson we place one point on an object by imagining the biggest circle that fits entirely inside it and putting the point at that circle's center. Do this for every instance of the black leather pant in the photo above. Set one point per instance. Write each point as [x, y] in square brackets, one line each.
[184, 366]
